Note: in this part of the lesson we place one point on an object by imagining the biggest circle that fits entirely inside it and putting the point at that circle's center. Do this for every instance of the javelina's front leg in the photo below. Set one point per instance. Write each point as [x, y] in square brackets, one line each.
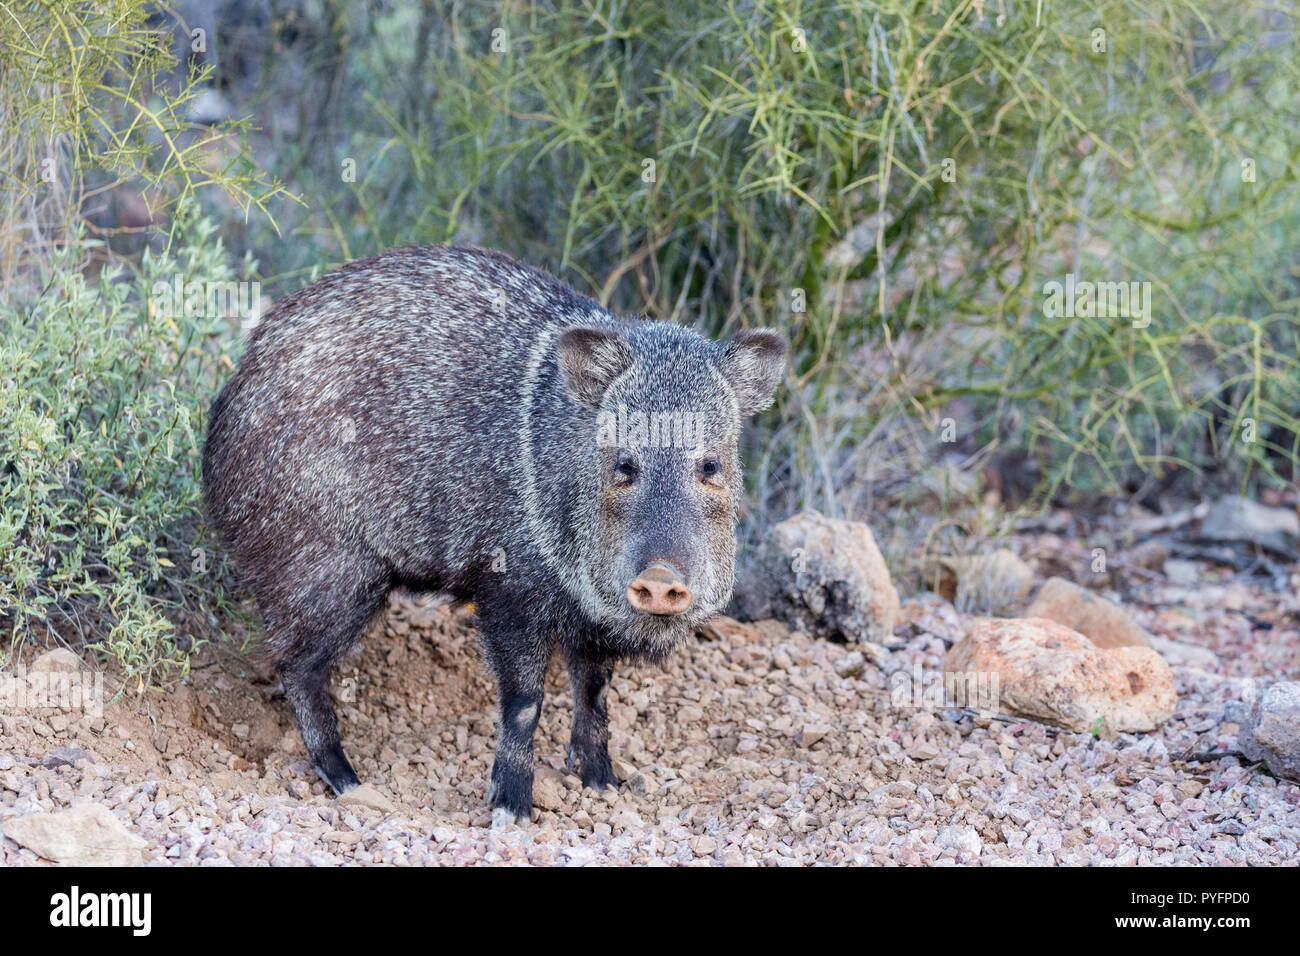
[589, 745]
[519, 662]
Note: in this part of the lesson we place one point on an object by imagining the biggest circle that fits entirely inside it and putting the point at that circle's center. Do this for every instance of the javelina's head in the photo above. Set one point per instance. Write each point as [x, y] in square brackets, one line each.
[662, 482]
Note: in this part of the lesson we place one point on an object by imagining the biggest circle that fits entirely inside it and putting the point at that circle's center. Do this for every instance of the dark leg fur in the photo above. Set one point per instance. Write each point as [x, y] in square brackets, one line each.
[589, 744]
[336, 612]
[306, 684]
[518, 656]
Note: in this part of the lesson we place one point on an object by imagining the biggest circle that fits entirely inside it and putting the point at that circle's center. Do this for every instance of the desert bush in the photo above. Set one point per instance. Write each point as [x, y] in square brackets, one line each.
[894, 183]
[104, 386]
[91, 118]
[103, 381]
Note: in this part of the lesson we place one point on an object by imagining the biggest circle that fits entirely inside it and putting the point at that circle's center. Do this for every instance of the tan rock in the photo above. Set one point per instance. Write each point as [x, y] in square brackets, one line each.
[1151, 555]
[367, 796]
[812, 733]
[548, 789]
[825, 577]
[1172, 619]
[721, 627]
[1048, 672]
[1179, 652]
[58, 660]
[86, 835]
[771, 630]
[1102, 622]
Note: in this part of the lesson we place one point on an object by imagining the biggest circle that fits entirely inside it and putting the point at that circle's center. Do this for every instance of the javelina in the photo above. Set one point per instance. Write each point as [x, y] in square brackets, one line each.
[448, 419]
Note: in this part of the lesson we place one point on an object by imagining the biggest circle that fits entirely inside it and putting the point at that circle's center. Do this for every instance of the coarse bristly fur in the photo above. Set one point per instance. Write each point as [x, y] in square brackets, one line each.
[449, 419]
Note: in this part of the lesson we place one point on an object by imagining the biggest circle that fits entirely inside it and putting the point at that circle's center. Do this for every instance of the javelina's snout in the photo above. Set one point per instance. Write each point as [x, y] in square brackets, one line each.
[659, 589]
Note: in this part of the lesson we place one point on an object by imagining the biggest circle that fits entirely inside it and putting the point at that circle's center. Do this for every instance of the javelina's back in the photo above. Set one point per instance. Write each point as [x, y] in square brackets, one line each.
[349, 387]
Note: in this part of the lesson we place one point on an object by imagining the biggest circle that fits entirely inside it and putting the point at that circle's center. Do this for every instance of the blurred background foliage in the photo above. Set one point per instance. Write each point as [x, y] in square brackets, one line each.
[716, 163]
[891, 183]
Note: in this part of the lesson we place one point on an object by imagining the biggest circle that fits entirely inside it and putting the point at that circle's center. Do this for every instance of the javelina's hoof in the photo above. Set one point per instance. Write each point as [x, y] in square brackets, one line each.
[594, 769]
[503, 819]
[334, 769]
[599, 775]
[511, 796]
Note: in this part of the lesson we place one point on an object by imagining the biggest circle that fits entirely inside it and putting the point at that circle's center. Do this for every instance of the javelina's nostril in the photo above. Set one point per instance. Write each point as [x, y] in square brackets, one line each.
[659, 589]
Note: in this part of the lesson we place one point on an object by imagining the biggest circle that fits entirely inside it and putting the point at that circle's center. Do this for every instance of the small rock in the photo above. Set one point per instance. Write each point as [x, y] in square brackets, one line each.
[1151, 555]
[852, 664]
[805, 822]
[63, 757]
[548, 790]
[729, 629]
[813, 733]
[823, 576]
[1181, 572]
[1273, 732]
[1233, 518]
[628, 820]
[925, 751]
[58, 660]
[86, 835]
[703, 846]
[771, 630]
[1103, 623]
[1178, 652]
[1239, 712]
[1051, 673]
[367, 796]
[962, 839]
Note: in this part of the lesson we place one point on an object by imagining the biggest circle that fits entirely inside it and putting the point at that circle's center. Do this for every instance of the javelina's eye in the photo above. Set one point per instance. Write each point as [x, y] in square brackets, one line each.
[709, 468]
[625, 468]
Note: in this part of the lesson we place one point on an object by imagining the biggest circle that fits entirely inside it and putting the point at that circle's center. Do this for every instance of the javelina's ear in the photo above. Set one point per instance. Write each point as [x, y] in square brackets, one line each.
[753, 361]
[590, 359]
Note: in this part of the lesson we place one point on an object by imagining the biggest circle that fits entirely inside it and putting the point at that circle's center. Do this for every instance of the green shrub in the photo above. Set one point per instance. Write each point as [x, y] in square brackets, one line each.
[103, 395]
[914, 172]
[91, 109]
[102, 392]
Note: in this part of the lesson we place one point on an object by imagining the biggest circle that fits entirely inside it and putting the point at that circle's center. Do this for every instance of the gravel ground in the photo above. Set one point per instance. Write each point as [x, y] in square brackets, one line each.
[752, 746]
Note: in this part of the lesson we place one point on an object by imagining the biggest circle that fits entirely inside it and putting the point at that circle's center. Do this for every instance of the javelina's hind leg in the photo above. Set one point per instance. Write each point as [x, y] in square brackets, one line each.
[306, 684]
[326, 620]
[589, 743]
